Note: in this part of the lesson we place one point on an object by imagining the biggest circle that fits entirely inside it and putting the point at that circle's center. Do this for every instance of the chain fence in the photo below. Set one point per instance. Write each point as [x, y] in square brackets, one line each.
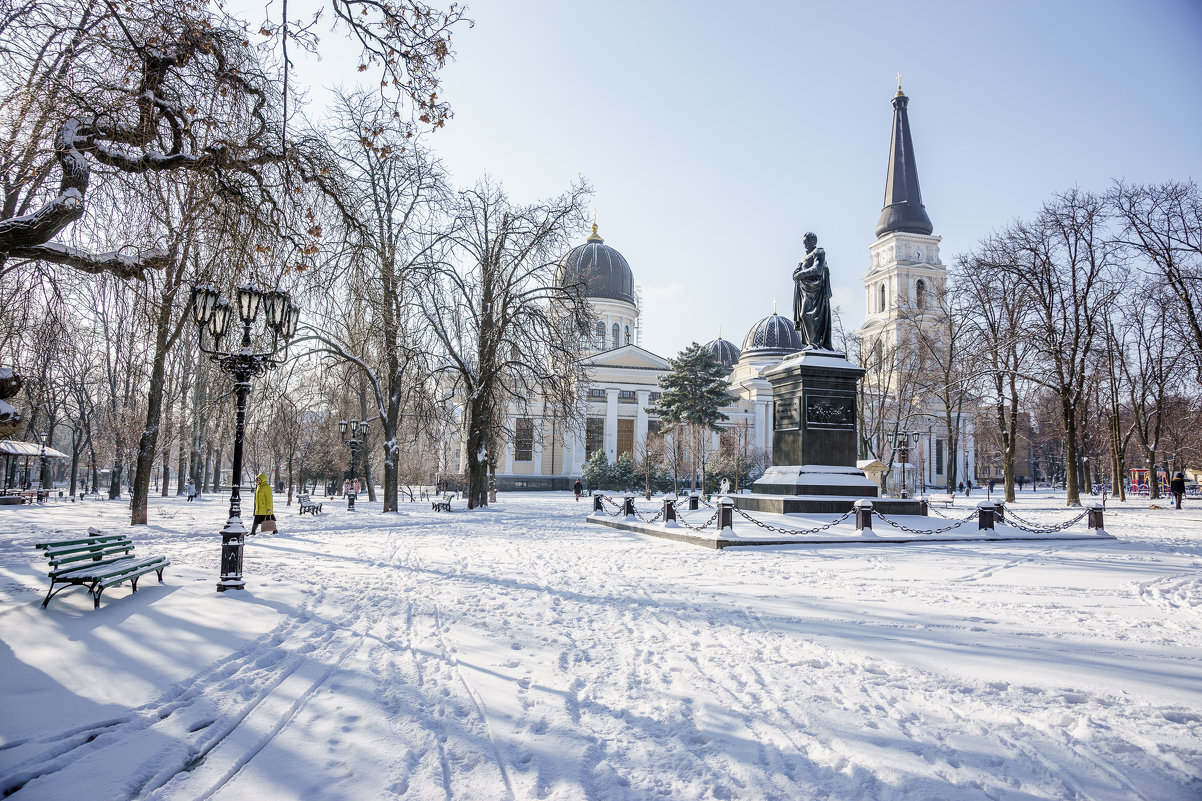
[1029, 527]
[785, 530]
[703, 526]
[908, 530]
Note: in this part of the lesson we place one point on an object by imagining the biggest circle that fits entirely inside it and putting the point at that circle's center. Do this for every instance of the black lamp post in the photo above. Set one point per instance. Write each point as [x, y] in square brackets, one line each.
[353, 434]
[241, 362]
[901, 444]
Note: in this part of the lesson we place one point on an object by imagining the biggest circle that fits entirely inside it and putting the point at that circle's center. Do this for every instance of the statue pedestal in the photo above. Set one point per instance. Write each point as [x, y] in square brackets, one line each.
[814, 393]
[814, 441]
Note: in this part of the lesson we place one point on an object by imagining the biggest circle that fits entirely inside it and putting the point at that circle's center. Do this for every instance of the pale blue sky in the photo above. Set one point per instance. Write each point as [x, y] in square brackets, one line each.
[716, 134]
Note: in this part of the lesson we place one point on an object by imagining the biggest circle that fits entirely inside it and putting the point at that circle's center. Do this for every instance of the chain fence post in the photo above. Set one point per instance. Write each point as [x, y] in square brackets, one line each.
[597, 502]
[670, 513]
[1095, 519]
[864, 517]
[726, 515]
[985, 516]
[924, 506]
[694, 497]
[1000, 513]
[628, 505]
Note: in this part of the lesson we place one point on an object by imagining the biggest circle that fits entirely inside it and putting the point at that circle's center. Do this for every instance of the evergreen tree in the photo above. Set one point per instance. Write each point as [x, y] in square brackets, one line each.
[691, 400]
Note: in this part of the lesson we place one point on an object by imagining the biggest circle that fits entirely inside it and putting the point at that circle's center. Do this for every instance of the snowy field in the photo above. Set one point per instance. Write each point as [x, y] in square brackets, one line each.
[520, 653]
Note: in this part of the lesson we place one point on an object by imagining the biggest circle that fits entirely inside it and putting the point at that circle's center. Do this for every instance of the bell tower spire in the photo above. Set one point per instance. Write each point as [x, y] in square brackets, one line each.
[903, 209]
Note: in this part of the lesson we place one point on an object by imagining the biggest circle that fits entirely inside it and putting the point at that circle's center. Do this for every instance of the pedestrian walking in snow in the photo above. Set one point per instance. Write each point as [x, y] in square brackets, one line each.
[1177, 487]
[191, 490]
[577, 488]
[967, 487]
[264, 510]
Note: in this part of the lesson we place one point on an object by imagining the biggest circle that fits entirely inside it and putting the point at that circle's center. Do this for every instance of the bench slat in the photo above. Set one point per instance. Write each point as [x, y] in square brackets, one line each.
[149, 567]
[114, 573]
[88, 567]
[94, 554]
[88, 541]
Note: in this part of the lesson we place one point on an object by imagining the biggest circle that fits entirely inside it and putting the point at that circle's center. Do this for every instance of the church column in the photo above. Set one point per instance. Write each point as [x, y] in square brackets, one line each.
[761, 424]
[538, 448]
[611, 424]
[640, 418]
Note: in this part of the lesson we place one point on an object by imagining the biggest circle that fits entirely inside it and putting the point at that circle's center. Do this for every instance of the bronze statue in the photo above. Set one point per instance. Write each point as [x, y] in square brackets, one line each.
[812, 297]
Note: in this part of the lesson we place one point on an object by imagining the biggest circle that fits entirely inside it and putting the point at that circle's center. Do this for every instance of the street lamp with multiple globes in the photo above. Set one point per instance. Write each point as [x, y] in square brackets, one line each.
[242, 363]
[901, 445]
[353, 434]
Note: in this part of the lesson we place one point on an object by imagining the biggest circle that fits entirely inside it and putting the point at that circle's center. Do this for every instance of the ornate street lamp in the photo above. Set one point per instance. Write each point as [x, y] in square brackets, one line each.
[353, 434]
[901, 445]
[241, 362]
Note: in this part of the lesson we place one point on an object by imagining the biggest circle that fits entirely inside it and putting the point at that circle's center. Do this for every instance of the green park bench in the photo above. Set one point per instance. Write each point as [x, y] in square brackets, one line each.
[305, 503]
[443, 504]
[98, 562]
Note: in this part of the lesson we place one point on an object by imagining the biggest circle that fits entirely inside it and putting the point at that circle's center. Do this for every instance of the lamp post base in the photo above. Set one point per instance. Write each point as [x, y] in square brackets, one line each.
[233, 540]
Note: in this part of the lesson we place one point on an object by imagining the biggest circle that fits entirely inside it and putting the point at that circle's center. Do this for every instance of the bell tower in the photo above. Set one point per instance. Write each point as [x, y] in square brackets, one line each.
[905, 274]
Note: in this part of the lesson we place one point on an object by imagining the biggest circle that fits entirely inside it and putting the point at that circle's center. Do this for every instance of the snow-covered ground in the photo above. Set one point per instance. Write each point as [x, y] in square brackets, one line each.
[519, 652]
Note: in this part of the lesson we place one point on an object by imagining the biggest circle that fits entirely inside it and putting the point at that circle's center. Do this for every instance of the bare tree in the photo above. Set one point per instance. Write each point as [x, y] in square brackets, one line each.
[997, 325]
[1066, 265]
[506, 326]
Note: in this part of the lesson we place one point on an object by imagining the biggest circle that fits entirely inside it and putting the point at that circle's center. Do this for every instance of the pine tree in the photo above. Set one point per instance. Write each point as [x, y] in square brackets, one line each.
[692, 396]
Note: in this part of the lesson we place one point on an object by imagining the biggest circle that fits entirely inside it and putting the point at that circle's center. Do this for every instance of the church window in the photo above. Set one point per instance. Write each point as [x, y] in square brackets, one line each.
[881, 296]
[920, 294]
[653, 427]
[627, 335]
[939, 457]
[627, 396]
[655, 396]
[523, 440]
[615, 333]
[600, 335]
[596, 394]
[594, 435]
[625, 436]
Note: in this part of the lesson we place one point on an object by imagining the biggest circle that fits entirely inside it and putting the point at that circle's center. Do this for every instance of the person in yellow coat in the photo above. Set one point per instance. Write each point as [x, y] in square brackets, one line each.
[263, 505]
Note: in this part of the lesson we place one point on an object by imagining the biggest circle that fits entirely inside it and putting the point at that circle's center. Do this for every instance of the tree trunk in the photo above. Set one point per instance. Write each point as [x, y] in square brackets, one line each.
[1069, 413]
[115, 477]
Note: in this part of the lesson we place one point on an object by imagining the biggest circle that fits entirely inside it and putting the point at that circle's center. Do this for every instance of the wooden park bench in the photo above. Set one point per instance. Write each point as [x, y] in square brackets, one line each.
[944, 501]
[443, 504]
[305, 502]
[98, 562]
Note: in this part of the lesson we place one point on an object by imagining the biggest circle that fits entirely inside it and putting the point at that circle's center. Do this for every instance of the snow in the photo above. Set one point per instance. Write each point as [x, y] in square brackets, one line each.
[520, 652]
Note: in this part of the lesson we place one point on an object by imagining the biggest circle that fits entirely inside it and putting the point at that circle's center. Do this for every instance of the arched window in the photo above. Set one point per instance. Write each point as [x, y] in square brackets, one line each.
[615, 333]
[920, 294]
[881, 295]
[627, 335]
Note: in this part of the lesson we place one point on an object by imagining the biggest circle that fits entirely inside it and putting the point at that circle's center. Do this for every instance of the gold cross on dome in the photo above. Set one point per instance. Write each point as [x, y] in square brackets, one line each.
[899, 81]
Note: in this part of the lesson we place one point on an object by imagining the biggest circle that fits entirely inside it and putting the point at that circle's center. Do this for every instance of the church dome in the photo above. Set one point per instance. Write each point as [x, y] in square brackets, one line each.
[603, 270]
[772, 336]
[725, 352]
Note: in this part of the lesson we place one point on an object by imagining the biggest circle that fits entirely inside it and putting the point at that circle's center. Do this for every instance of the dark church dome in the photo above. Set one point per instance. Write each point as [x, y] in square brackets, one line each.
[772, 336]
[603, 270]
[725, 352]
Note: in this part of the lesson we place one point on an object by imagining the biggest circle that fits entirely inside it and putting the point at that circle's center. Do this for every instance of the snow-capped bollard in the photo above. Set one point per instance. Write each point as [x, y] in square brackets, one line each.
[597, 508]
[726, 515]
[669, 513]
[985, 510]
[924, 506]
[863, 515]
[694, 497]
[628, 505]
[1095, 519]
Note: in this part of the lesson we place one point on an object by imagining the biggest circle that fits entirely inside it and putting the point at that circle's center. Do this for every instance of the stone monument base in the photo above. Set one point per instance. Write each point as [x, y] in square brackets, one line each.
[818, 489]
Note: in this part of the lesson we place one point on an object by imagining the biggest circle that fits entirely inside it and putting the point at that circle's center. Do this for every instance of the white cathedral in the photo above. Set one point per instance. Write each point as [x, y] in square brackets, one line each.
[904, 271]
